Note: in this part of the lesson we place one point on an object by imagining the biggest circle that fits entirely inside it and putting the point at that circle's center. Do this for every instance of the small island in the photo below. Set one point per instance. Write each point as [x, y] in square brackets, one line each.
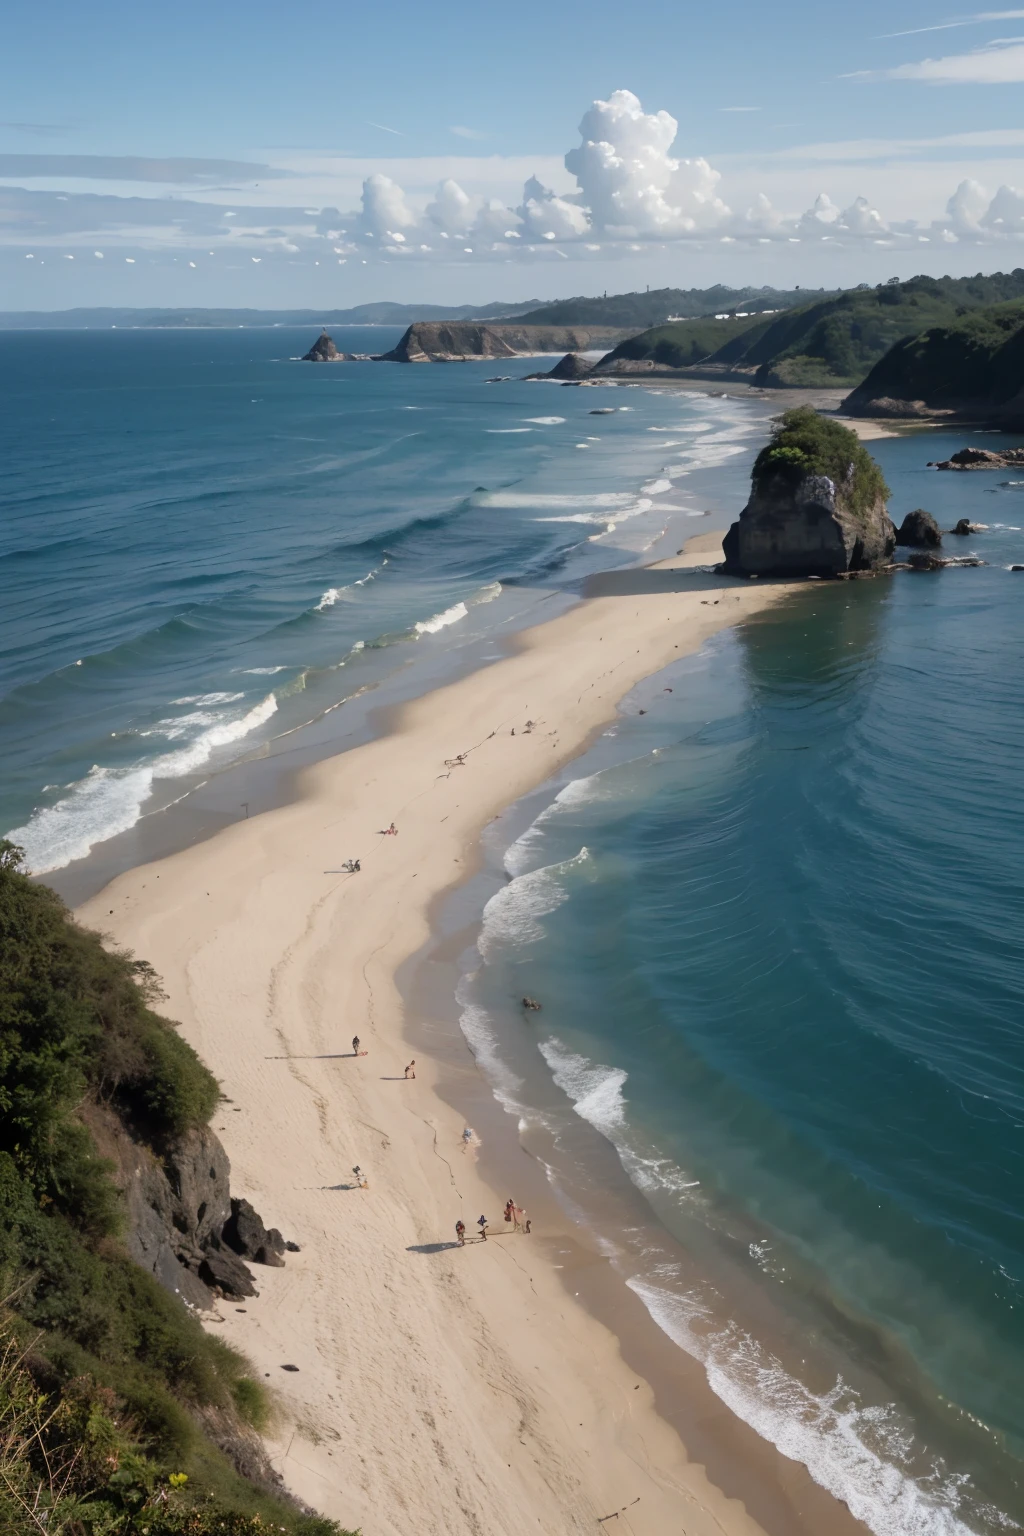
[817, 505]
[323, 350]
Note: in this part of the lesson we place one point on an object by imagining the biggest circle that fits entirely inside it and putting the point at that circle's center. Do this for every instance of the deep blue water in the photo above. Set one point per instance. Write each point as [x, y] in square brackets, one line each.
[777, 927]
[205, 543]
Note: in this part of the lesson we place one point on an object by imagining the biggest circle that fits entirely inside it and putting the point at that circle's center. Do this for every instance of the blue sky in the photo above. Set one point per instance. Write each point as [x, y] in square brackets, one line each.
[326, 154]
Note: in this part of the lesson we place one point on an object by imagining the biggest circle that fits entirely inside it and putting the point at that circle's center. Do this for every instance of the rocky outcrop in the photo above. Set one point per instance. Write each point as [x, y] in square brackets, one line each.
[323, 350]
[806, 527]
[982, 458]
[965, 527]
[182, 1224]
[919, 530]
[461, 341]
[571, 366]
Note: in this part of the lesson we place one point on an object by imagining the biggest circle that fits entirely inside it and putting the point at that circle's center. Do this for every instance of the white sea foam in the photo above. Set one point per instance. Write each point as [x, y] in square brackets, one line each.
[262, 671]
[602, 501]
[332, 594]
[441, 620]
[511, 916]
[482, 1039]
[656, 487]
[486, 594]
[594, 1091]
[609, 517]
[853, 1450]
[505, 431]
[329, 599]
[209, 698]
[110, 800]
[546, 421]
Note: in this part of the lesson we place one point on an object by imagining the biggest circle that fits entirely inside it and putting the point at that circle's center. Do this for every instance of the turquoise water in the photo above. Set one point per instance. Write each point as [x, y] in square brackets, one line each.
[206, 543]
[777, 928]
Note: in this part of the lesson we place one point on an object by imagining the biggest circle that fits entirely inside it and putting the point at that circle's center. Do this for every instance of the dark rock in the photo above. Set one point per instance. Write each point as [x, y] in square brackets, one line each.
[965, 527]
[983, 458]
[292, 1247]
[1017, 567]
[926, 562]
[323, 350]
[919, 530]
[571, 367]
[805, 527]
[246, 1235]
[224, 1272]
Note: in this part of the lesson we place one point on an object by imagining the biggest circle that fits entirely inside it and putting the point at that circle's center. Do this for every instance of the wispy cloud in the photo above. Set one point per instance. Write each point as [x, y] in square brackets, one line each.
[963, 21]
[39, 130]
[1000, 62]
[467, 133]
[385, 129]
[134, 168]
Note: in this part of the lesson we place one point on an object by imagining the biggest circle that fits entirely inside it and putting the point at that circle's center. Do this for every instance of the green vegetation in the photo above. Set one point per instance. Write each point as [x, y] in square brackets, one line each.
[837, 339]
[106, 1381]
[976, 361]
[684, 342]
[805, 443]
[633, 310]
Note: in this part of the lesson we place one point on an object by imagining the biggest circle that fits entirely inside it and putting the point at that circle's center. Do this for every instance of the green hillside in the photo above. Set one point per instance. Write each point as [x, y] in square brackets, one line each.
[684, 342]
[114, 1401]
[633, 310]
[977, 361]
[835, 340]
[838, 340]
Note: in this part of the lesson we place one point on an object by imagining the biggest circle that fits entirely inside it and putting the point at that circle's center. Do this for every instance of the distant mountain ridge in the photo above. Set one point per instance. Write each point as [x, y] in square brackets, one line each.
[383, 313]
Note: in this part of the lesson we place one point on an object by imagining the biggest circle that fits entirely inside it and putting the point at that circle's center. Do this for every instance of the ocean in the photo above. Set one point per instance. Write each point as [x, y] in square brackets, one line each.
[774, 922]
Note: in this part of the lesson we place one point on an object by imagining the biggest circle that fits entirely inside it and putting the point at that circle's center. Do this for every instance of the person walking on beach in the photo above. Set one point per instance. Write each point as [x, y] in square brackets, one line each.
[512, 1214]
[410, 1070]
[467, 1137]
[527, 1223]
[482, 1224]
[460, 1233]
[355, 1045]
[362, 1182]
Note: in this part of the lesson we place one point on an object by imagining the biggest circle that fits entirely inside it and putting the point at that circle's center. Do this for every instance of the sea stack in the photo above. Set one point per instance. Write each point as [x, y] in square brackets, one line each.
[817, 505]
[570, 367]
[323, 350]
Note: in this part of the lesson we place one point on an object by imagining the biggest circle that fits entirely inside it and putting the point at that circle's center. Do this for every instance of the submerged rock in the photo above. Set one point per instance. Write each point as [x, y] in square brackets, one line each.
[817, 505]
[982, 458]
[919, 530]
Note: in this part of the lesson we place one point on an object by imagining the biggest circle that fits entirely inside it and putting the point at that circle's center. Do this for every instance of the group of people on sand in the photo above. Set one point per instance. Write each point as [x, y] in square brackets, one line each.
[513, 1213]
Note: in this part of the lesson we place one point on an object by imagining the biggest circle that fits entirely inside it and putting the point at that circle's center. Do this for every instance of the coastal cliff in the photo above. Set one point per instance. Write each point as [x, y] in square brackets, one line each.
[817, 505]
[971, 370]
[116, 1227]
[433, 342]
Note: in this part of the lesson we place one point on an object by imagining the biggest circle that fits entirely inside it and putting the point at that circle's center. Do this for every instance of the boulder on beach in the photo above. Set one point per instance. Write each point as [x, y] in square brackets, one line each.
[817, 505]
[919, 530]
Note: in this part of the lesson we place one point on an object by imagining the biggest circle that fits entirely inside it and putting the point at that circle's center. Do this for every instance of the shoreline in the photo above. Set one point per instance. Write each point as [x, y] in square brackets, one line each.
[435, 1387]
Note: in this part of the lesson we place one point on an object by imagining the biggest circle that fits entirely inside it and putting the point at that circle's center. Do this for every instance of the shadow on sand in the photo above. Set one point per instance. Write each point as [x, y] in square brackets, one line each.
[646, 583]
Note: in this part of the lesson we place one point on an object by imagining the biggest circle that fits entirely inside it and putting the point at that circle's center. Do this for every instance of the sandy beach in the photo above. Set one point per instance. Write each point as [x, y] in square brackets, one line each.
[438, 1389]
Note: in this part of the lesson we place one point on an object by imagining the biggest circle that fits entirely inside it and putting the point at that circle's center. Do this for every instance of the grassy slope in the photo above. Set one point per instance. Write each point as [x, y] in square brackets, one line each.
[979, 358]
[684, 342]
[834, 341]
[653, 308]
[106, 1373]
[838, 340]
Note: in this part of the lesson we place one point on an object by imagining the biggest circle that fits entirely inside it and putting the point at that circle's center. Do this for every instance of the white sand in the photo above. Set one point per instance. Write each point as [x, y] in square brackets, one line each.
[453, 1391]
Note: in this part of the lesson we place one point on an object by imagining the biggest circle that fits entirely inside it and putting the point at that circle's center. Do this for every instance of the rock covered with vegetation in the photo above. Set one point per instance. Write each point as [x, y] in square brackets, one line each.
[972, 367]
[817, 504]
[118, 1412]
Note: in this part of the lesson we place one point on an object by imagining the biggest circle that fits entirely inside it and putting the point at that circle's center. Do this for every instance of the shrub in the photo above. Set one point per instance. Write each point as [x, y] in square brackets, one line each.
[805, 442]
